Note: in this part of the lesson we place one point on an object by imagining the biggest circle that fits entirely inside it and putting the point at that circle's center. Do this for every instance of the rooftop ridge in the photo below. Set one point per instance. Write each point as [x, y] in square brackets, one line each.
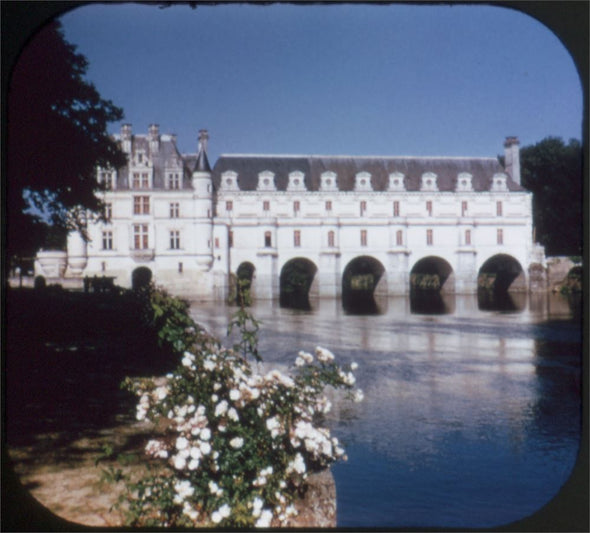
[319, 156]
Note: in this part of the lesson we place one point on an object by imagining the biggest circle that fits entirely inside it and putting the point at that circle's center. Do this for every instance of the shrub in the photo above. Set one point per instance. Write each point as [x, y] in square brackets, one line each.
[235, 445]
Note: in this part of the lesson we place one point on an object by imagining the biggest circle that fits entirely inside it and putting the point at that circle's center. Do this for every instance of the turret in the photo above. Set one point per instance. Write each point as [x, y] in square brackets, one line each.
[126, 138]
[203, 204]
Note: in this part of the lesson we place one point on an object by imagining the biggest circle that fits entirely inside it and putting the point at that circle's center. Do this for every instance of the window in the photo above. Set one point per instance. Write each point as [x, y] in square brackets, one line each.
[363, 237]
[267, 239]
[500, 237]
[468, 236]
[141, 205]
[363, 207]
[174, 210]
[328, 205]
[216, 242]
[108, 211]
[499, 209]
[399, 237]
[140, 236]
[141, 180]
[106, 178]
[429, 207]
[266, 205]
[331, 238]
[174, 239]
[229, 205]
[396, 209]
[463, 208]
[297, 238]
[180, 268]
[230, 239]
[429, 239]
[296, 206]
[107, 240]
[174, 181]
[103, 266]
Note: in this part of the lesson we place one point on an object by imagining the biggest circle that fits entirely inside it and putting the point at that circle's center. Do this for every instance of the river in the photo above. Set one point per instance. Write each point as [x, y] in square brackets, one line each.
[472, 409]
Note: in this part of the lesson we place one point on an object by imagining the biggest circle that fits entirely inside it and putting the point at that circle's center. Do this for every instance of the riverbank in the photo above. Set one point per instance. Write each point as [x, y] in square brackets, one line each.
[66, 355]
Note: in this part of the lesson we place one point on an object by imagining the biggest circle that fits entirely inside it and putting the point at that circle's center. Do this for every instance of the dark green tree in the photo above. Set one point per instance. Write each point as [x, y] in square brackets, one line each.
[56, 135]
[552, 171]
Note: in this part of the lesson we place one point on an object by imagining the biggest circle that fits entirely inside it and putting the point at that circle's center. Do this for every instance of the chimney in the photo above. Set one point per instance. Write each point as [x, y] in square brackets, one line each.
[126, 138]
[512, 158]
[154, 137]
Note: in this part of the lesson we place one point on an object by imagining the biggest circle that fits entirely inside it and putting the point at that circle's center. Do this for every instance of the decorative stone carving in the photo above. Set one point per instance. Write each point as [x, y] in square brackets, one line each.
[328, 181]
[464, 182]
[266, 181]
[362, 182]
[229, 181]
[296, 181]
[429, 182]
[396, 182]
[499, 182]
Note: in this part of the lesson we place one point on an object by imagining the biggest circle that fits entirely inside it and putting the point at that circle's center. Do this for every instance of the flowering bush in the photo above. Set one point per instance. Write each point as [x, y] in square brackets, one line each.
[235, 445]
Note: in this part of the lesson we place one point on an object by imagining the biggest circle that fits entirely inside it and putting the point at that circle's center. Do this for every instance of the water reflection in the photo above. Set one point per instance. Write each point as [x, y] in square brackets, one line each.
[471, 418]
[502, 301]
[431, 302]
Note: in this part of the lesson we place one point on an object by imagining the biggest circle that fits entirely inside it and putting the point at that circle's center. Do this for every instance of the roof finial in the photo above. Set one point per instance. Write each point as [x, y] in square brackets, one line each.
[202, 164]
[203, 138]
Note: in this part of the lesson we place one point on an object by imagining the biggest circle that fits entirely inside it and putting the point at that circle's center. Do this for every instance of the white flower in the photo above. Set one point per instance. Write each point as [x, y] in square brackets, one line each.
[233, 414]
[193, 464]
[214, 397]
[257, 507]
[205, 434]
[299, 361]
[216, 386]
[354, 366]
[358, 396]
[209, 365]
[205, 448]
[179, 462]
[195, 452]
[297, 465]
[307, 357]
[221, 513]
[324, 355]
[188, 360]
[265, 519]
[189, 511]
[214, 489]
[221, 408]
[234, 395]
[236, 442]
[161, 392]
[181, 443]
[183, 489]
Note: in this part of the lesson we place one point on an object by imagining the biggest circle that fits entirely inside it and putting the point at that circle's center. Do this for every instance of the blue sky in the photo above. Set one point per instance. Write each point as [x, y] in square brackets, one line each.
[337, 79]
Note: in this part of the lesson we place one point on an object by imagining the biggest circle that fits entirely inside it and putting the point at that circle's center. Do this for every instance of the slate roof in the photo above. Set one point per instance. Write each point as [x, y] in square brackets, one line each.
[346, 167]
[162, 159]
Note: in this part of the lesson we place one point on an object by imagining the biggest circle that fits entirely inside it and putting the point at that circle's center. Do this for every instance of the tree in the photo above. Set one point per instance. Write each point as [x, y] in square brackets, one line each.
[56, 136]
[552, 171]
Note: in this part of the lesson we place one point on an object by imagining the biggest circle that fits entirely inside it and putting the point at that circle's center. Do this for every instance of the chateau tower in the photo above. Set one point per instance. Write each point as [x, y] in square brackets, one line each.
[202, 185]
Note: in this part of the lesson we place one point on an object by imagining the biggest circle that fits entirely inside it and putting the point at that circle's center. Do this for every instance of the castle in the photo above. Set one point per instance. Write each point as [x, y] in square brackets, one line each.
[336, 221]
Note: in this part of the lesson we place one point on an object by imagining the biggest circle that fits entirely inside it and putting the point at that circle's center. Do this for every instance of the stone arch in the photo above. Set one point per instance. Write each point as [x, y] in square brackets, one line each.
[297, 283]
[243, 283]
[141, 277]
[432, 273]
[502, 273]
[362, 280]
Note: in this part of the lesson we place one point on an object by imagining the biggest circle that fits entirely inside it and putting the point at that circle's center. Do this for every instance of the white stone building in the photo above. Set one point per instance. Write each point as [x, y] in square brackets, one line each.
[336, 218]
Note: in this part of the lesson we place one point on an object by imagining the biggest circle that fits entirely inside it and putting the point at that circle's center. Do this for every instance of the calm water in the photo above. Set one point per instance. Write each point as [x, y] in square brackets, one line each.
[471, 415]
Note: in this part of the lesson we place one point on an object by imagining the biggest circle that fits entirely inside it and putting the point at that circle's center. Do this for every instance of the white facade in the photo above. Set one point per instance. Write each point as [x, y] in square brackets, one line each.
[193, 227]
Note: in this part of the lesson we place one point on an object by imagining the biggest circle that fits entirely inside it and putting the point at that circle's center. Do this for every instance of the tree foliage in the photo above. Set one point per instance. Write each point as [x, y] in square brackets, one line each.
[552, 171]
[57, 134]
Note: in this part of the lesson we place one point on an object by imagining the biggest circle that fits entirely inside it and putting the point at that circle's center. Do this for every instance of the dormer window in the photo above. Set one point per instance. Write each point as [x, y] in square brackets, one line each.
[107, 179]
[499, 182]
[173, 180]
[396, 182]
[328, 181]
[296, 181]
[429, 182]
[266, 181]
[464, 182]
[362, 182]
[229, 181]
